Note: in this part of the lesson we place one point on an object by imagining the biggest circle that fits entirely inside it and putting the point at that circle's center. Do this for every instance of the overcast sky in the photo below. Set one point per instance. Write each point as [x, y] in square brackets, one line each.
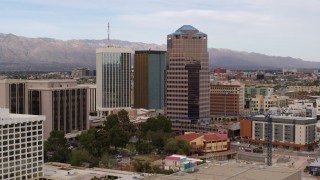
[273, 27]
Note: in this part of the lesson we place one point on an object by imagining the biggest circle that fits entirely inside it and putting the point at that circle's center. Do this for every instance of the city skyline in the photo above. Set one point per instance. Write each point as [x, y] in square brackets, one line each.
[286, 28]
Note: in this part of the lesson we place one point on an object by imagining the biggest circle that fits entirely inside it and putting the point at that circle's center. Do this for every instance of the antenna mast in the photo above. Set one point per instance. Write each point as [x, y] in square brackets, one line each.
[108, 31]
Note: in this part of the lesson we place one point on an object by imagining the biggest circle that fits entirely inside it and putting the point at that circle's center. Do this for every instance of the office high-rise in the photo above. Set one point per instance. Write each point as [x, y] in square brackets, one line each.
[113, 79]
[187, 99]
[149, 69]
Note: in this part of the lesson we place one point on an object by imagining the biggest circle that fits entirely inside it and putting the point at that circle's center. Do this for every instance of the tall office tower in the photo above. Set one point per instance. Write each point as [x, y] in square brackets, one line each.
[187, 99]
[21, 143]
[149, 69]
[113, 79]
[13, 97]
[63, 102]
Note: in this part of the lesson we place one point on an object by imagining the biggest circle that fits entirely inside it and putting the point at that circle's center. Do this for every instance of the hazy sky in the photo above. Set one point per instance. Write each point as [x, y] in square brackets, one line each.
[273, 27]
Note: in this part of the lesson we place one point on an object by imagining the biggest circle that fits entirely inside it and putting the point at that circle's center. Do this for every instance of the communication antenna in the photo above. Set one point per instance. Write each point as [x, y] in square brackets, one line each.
[108, 30]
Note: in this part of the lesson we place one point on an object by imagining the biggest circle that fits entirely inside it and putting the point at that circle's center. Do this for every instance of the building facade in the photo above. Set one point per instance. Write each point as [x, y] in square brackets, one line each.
[149, 69]
[14, 97]
[113, 66]
[187, 98]
[63, 102]
[252, 90]
[304, 88]
[206, 143]
[92, 98]
[21, 144]
[298, 133]
[264, 103]
[226, 99]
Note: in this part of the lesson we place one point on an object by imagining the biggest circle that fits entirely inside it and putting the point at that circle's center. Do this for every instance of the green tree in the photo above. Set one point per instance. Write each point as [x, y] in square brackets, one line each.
[95, 141]
[56, 148]
[79, 156]
[177, 146]
[160, 123]
[118, 137]
[142, 147]
[112, 120]
[123, 116]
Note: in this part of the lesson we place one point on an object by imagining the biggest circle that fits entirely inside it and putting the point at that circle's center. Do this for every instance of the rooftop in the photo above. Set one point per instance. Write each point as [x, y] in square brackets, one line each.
[189, 137]
[8, 118]
[236, 171]
[187, 28]
[65, 171]
[285, 117]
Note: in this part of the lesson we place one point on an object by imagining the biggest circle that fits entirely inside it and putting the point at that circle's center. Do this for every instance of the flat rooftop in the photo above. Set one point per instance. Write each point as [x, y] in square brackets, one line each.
[285, 117]
[236, 171]
[9, 118]
[65, 171]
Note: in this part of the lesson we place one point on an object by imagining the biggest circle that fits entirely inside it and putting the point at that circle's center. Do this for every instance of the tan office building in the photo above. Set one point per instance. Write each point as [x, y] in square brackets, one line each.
[63, 102]
[13, 95]
[92, 98]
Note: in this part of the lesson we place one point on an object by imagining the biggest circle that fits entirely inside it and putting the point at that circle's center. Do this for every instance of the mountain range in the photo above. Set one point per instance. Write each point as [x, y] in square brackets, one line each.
[19, 53]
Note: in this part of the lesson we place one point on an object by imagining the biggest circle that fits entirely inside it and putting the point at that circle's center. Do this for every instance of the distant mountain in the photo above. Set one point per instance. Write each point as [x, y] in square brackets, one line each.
[20, 53]
[243, 60]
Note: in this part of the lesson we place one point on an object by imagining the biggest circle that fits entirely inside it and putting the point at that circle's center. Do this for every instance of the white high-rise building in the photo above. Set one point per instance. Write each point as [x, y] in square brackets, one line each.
[21, 146]
[113, 79]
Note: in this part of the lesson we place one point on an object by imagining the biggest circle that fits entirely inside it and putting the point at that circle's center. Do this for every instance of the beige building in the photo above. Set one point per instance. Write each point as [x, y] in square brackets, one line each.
[63, 102]
[304, 88]
[263, 103]
[92, 97]
[13, 95]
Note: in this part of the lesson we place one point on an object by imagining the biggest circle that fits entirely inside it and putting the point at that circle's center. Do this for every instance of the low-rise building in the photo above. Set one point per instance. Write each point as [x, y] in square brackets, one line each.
[252, 90]
[207, 143]
[179, 162]
[304, 88]
[298, 133]
[264, 103]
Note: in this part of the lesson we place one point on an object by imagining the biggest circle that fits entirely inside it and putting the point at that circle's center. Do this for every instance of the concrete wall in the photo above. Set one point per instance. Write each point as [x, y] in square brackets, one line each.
[252, 157]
